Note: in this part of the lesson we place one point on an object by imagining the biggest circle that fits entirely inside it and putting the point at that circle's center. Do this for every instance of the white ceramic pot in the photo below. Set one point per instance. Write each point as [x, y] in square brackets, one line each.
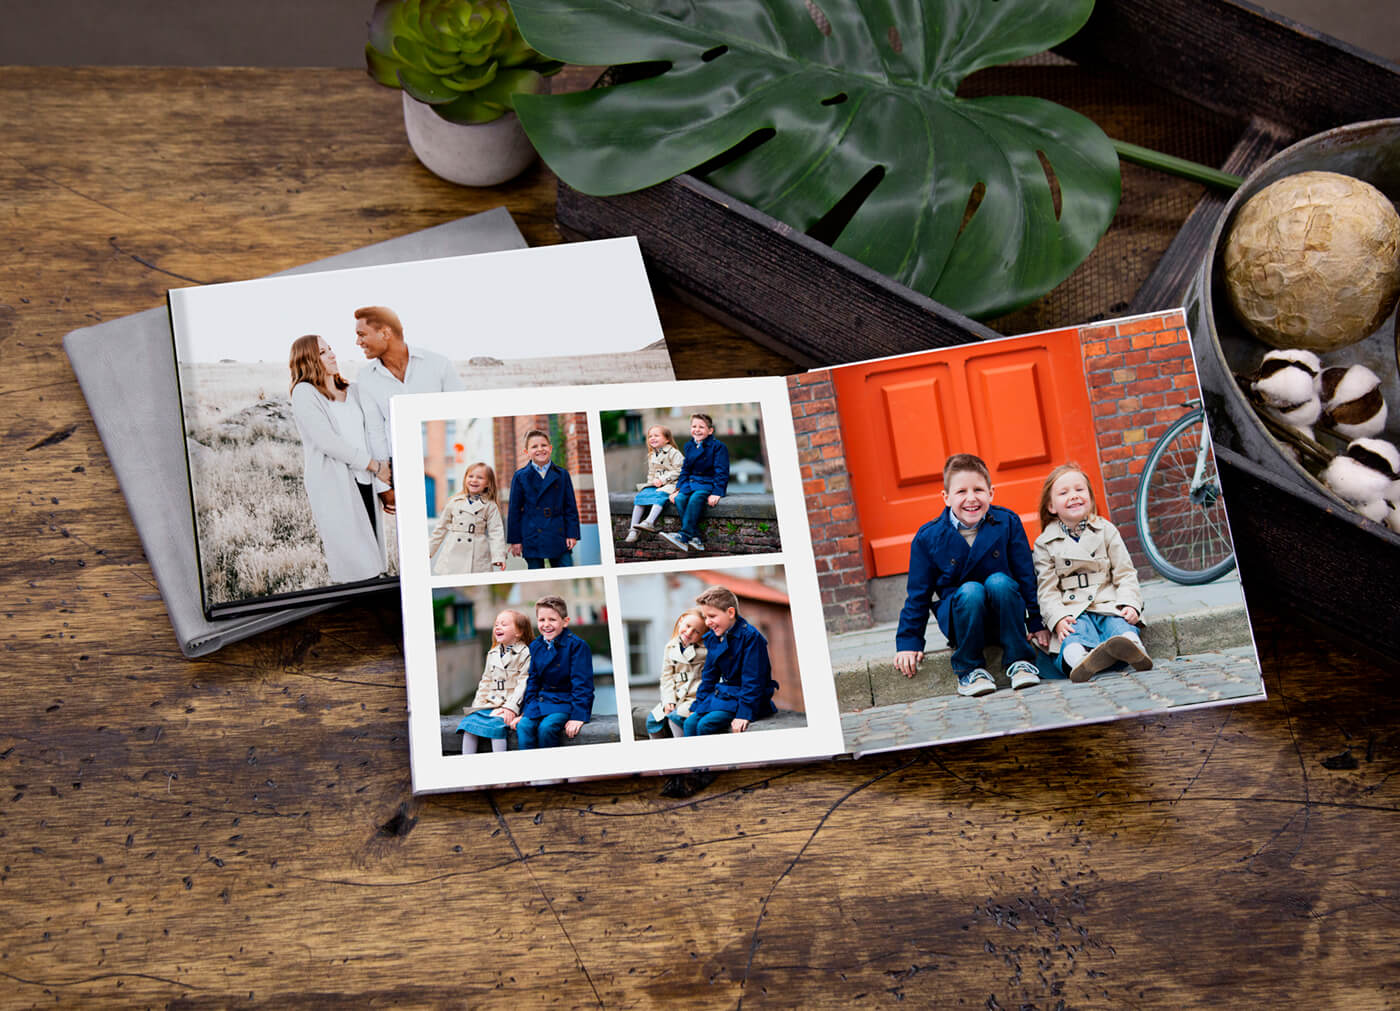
[476, 154]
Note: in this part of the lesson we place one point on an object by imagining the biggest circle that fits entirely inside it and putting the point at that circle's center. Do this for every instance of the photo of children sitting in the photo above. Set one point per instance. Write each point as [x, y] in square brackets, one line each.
[682, 662]
[1086, 582]
[701, 479]
[558, 696]
[498, 702]
[976, 560]
[470, 536]
[524, 665]
[973, 582]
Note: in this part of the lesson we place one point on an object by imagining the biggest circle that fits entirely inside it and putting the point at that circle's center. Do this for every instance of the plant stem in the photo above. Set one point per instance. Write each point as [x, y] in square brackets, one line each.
[1176, 166]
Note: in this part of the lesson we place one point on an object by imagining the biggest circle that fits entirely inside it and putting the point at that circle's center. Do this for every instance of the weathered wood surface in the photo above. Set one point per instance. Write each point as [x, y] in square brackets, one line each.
[240, 829]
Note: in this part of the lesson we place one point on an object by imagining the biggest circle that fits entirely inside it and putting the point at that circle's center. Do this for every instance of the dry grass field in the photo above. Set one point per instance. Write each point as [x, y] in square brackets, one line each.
[252, 518]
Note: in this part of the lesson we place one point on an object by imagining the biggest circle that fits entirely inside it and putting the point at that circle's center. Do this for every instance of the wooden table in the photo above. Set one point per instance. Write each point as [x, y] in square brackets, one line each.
[240, 829]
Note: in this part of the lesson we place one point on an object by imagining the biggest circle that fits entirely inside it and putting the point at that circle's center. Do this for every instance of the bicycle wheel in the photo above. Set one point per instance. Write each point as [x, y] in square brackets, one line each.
[1183, 527]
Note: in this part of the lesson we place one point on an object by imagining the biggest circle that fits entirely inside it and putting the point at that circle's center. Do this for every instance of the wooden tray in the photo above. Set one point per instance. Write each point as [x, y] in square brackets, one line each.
[1212, 69]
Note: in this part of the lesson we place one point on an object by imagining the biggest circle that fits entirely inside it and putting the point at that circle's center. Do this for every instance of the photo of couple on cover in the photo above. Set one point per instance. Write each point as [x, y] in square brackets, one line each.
[286, 384]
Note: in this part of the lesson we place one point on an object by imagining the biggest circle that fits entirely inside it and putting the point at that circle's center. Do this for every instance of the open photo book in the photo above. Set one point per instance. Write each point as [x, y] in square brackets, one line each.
[959, 543]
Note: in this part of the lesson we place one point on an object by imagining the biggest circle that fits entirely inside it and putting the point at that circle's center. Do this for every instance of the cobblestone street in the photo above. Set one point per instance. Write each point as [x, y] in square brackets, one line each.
[1203, 677]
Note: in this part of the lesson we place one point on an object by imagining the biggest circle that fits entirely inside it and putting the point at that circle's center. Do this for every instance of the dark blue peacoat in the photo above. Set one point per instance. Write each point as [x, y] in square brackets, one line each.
[940, 560]
[737, 677]
[706, 467]
[542, 512]
[560, 679]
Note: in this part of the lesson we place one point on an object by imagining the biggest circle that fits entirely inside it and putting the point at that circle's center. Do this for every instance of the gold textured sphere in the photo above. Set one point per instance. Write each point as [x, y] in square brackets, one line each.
[1313, 261]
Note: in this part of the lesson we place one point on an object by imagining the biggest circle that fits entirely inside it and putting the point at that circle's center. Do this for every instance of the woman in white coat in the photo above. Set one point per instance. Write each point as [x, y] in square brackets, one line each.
[337, 466]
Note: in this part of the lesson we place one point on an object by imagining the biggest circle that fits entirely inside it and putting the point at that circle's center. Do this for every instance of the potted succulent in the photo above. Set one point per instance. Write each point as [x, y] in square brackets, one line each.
[460, 64]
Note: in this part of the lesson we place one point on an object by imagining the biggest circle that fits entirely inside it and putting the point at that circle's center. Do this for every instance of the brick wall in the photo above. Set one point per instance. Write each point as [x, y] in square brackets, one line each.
[1139, 375]
[570, 430]
[831, 509]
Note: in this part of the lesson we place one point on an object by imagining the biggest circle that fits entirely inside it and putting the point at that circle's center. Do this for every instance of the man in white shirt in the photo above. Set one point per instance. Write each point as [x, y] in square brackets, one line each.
[394, 368]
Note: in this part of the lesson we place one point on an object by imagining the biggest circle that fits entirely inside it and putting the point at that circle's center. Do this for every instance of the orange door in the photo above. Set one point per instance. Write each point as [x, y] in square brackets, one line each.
[1020, 404]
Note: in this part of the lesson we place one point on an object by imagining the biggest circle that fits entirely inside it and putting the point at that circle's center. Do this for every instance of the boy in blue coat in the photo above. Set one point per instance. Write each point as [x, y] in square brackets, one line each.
[736, 684]
[542, 523]
[976, 559]
[558, 697]
[704, 480]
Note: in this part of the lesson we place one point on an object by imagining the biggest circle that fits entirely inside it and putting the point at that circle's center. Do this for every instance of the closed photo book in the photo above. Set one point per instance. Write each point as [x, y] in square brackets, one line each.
[1006, 536]
[127, 375]
[286, 384]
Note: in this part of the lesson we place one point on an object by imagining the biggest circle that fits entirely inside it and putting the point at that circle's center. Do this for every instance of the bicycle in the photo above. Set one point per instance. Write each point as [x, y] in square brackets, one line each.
[1180, 516]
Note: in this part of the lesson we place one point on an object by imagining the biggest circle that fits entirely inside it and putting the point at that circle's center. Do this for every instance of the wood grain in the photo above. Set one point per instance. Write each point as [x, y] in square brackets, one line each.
[239, 830]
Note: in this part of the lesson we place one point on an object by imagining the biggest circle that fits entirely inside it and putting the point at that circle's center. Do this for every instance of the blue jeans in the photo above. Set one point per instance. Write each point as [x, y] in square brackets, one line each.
[546, 732]
[691, 506]
[561, 562]
[716, 721]
[670, 721]
[981, 610]
[1092, 629]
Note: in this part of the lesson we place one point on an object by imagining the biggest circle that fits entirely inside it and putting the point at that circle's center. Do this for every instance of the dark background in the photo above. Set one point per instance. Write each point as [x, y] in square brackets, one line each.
[331, 33]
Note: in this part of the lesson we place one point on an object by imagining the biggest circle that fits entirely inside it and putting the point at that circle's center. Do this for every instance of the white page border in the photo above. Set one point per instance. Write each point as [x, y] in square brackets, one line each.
[436, 772]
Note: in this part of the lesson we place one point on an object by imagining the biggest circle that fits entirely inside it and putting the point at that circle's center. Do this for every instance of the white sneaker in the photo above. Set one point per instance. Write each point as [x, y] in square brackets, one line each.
[976, 682]
[631, 535]
[1023, 674]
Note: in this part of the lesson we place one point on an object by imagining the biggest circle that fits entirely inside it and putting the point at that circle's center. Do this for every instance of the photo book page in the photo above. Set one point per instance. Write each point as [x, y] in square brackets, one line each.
[546, 637]
[285, 384]
[1019, 534]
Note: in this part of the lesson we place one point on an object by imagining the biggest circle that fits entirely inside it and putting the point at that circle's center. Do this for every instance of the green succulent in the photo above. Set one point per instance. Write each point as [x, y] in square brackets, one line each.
[465, 58]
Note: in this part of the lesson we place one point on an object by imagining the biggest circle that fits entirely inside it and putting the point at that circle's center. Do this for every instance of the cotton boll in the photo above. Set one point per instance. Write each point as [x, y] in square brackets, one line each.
[1286, 384]
[1352, 401]
[1365, 476]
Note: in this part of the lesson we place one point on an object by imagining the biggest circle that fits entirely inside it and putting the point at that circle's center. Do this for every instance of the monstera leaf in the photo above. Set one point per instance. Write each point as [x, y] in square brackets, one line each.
[984, 204]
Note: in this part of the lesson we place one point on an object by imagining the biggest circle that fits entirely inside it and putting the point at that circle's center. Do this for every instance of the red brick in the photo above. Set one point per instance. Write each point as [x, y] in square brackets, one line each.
[1104, 363]
[1165, 354]
[1149, 324]
[1143, 341]
[1119, 344]
[1096, 348]
[832, 452]
[800, 425]
[825, 404]
[1155, 385]
[1097, 333]
[1172, 337]
[1185, 382]
[844, 512]
[1113, 424]
[853, 576]
[829, 437]
[1115, 453]
[1103, 408]
[1135, 358]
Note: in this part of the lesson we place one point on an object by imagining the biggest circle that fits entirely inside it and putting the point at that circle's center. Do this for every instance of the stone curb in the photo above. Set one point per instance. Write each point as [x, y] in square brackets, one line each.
[862, 684]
